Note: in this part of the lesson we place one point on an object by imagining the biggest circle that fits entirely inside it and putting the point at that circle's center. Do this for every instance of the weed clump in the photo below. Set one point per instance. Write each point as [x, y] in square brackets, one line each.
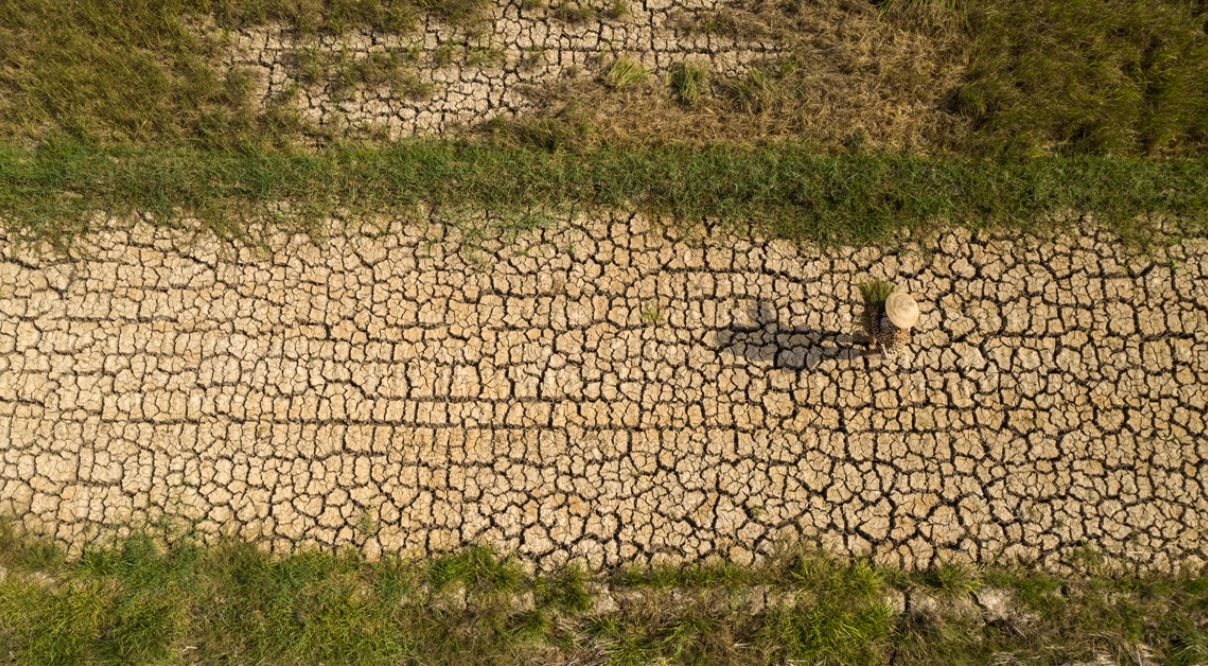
[619, 9]
[574, 12]
[875, 291]
[689, 81]
[754, 92]
[625, 72]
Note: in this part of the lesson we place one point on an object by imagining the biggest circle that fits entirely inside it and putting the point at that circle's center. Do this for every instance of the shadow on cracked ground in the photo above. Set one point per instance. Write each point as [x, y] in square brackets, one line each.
[757, 336]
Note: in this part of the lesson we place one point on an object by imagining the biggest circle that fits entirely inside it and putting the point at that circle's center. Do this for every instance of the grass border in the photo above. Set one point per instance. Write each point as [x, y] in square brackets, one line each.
[159, 596]
[53, 194]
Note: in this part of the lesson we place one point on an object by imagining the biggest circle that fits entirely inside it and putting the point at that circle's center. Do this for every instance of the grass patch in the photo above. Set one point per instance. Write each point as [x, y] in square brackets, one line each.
[117, 106]
[690, 82]
[124, 70]
[725, 575]
[625, 72]
[1088, 77]
[925, 10]
[140, 600]
[574, 13]
[844, 620]
[755, 91]
[51, 194]
[24, 553]
[949, 580]
[477, 569]
[875, 291]
[567, 591]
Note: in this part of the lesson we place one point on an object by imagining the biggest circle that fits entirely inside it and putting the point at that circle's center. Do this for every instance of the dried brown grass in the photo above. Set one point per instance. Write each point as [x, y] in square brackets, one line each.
[843, 76]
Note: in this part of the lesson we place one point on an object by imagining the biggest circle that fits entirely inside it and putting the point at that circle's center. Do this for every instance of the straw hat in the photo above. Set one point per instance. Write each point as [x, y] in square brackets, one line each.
[902, 310]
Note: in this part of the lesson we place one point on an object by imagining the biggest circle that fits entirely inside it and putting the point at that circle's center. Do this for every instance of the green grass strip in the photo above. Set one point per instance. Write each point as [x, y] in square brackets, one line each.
[52, 193]
[162, 597]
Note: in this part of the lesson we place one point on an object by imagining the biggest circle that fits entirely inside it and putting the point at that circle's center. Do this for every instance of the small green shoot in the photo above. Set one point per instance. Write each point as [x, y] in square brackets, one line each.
[368, 525]
[651, 315]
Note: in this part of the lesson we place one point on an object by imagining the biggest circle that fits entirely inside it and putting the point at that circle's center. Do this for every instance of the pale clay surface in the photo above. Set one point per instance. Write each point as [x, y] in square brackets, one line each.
[607, 391]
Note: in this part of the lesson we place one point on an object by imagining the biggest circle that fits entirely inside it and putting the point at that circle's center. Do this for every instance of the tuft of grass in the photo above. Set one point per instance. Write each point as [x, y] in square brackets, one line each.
[308, 65]
[567, 592]
[651, 315]
[619, 9]
[478, 569]
[875, 291]
[625, 72]
[754, 92]
[950, 580]
[379, 69]
[484, 57]
[574, 12]
[368, 525]
[690, 82]
[443, 56]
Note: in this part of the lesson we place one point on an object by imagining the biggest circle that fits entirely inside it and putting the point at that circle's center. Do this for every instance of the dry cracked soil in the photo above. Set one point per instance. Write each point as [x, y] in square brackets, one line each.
[608, 390]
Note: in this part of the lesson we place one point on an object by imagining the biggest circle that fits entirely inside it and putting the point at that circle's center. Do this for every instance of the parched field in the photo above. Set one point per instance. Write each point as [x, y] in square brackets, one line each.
[527, 331]
[605, 391]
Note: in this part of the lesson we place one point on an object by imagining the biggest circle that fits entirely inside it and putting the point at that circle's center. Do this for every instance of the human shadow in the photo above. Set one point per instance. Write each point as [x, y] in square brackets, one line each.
[756, 335]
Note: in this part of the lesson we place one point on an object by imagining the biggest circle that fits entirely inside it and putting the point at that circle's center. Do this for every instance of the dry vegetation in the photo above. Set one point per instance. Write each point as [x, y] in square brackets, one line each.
[1088, 77]
[1023, 78]
[140, 72]
[848, 77]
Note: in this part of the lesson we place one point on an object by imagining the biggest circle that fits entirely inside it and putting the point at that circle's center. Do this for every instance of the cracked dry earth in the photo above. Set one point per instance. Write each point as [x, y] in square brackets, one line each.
[445, 78]
[609, 391]
[462, 76]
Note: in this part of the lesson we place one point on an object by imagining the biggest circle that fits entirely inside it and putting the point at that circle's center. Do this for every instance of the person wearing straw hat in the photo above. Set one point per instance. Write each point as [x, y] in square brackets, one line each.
[891, 331]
